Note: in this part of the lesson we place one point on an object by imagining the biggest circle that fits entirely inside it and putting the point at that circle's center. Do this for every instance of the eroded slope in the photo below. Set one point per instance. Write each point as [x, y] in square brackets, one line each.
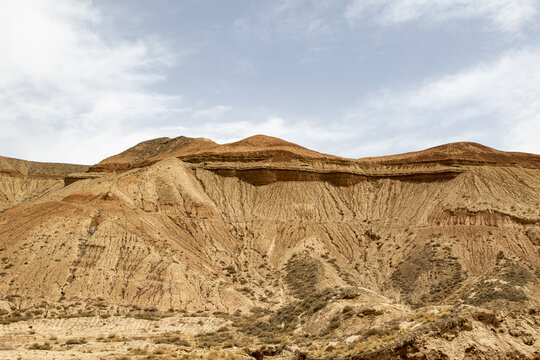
[22, 180]
[392, 257]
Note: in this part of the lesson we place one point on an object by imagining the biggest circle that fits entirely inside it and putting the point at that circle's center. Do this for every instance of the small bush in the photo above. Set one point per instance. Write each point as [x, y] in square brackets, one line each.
[171, 339]
[79, 341]
[36, 346]
[347, 310]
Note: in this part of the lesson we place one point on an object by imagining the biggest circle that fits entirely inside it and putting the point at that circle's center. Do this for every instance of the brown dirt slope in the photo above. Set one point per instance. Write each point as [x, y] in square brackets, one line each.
[462, 153]
[374, 257]
[150, 151]
[38, 169]
[22, 180]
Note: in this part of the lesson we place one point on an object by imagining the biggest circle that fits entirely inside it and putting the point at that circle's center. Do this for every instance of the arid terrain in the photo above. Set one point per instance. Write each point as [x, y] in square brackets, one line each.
[261, 249]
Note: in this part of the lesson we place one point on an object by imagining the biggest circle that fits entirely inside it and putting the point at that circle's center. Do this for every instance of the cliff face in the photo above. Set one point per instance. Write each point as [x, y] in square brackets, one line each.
[265, 224]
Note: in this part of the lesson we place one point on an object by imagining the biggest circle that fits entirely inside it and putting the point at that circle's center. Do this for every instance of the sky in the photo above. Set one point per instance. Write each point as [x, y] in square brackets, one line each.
[84, 80]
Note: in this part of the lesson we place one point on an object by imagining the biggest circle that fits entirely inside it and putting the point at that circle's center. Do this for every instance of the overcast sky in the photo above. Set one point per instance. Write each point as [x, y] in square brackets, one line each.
[83, 80]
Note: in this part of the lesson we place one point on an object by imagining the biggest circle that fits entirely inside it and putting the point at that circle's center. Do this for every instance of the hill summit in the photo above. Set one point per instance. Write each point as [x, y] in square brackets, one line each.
[258, 147]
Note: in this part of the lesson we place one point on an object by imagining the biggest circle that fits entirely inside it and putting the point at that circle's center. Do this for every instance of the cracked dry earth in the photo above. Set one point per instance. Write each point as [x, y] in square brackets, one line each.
[261, 249]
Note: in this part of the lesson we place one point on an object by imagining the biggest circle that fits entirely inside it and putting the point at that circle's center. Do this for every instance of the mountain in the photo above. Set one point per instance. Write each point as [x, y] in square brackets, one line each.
[263, 248]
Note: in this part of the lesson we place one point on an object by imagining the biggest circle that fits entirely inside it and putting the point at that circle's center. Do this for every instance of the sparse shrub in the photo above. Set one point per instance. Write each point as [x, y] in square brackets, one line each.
[487, 318]
[333, 325]
[374, 331]
[36, 346]
[347, 310]
[369, 312]
[76, 341]
[445, 272]
[14, 317]
[303, 274]
[138, 351]
[171, 339]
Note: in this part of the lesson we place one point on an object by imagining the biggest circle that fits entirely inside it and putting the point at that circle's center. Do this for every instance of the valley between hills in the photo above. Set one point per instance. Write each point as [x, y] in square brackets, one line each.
[182, 248]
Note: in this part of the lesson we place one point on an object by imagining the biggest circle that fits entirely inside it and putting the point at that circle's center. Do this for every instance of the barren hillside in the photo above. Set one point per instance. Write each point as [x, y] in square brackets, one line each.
[264, 249]
[22, 180]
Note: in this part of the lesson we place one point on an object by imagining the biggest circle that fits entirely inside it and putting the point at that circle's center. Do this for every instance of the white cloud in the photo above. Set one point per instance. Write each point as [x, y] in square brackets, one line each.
[309, 21]
[65, 86]
[494, 103]
[506, 15]
[70, 93]
[304, 17]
